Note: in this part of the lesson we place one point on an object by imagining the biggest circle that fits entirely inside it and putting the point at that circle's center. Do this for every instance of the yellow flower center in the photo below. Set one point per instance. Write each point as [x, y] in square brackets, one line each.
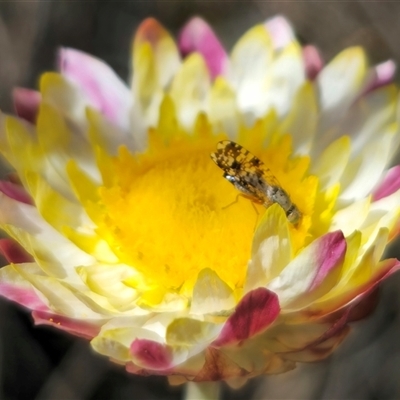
[170, 213]
[173, 219]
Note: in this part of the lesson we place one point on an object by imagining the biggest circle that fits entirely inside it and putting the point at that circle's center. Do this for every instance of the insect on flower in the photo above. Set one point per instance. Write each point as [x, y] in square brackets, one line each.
[252, 178]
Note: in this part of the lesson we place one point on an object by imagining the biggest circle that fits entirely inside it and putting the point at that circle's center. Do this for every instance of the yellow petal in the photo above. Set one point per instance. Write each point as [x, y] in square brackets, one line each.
[332, 162]
[166, 54]
[190, 89]
[301, 120]
[222, 108]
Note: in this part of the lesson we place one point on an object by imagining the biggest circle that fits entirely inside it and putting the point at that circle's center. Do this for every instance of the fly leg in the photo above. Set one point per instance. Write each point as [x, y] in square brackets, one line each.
[233, 202]
[252, 203]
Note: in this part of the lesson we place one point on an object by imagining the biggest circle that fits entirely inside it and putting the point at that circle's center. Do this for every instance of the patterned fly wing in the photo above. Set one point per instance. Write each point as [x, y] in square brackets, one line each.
[245, 171]
[231, 158]
[252, 178]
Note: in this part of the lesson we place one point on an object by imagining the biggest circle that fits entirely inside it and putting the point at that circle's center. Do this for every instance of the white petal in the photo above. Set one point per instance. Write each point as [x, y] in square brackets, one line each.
[211, 294]
[250, 64]
[107, 280]
[271, 249]
[384, 213]
[332, 162]
[280, 30]
[339, 83]
[60, 298]
[287, 74]
[107, 135]
[311, 266]
[65, 96]
[55, 254]
[363, 172]
[301, 121]
[351, 217]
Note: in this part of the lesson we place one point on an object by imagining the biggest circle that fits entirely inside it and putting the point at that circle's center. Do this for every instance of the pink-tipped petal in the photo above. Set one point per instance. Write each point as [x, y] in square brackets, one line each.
[23, 296]
[324, 345]
[151, 354]
[218, 366]
[331, 252]
[197, 36]
[365, 306]
[134, 369]
[75, 327]
[354, 297]
[280, 30]
[257, 310]
[313, 62]
[16, 192]
[383, 74]
[390, 266]
[104, 89]
[358, 309]
[164, 52]
[151, 31]
[13, 252]
[26, 103]
[337, 326]
[389, 185]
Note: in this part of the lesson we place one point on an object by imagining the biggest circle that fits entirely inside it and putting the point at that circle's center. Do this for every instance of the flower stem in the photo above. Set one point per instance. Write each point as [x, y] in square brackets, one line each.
[202, 391]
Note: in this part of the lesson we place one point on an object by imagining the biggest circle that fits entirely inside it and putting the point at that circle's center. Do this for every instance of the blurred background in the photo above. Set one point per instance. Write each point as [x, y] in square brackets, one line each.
[41, 363]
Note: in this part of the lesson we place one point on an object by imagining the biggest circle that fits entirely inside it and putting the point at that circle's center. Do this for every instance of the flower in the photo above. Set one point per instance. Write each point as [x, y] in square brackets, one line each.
[123, 231]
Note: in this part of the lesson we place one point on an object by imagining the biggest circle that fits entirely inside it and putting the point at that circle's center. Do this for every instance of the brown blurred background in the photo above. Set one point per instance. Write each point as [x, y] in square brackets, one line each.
[40, 363]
